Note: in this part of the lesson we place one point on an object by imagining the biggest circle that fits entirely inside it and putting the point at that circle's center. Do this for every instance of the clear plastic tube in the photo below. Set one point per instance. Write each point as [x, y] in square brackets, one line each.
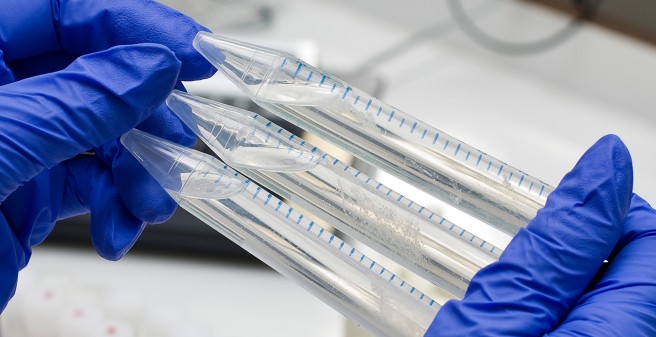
[349, 200]
[292, 244]
[387, 138]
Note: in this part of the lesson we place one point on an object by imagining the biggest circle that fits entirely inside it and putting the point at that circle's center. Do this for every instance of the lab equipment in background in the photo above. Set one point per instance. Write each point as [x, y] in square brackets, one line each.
[292, 244]
[464, 177]
[361, 207]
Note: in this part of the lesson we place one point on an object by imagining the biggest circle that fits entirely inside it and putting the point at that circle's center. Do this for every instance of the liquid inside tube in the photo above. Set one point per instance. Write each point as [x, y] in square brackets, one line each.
[390, 223]
[291, 243]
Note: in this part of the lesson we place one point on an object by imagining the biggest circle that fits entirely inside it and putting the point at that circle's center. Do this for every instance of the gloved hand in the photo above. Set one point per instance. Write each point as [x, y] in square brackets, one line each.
[552, 279]
[74, 76]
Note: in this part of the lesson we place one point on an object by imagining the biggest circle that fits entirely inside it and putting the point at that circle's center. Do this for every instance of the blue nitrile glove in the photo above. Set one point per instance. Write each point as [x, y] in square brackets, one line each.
[75, 75]
[552, 279]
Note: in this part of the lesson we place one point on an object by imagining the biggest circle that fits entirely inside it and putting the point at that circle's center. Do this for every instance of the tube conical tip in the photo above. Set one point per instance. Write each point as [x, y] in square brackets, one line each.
[182, 171]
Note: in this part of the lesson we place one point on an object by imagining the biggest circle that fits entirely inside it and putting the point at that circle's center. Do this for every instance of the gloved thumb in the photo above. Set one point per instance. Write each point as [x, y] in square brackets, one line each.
[47, 119]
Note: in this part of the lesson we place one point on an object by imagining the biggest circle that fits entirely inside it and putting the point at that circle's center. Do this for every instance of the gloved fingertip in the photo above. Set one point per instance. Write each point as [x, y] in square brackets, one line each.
[139, 191]
[112, 243]
[165, 124]
[601, 183]
[153, 68]
[114, 229]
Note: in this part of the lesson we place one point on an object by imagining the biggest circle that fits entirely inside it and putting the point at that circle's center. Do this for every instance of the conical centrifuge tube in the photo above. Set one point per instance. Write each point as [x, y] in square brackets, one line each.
[387, 138]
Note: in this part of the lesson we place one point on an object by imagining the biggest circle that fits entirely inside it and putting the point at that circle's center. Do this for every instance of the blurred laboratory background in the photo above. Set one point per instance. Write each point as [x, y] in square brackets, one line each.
[531, 82]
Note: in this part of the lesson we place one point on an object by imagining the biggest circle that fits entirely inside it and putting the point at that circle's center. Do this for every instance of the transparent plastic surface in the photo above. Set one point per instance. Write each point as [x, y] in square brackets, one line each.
[387, 138]
[359, 206]
[286, 240]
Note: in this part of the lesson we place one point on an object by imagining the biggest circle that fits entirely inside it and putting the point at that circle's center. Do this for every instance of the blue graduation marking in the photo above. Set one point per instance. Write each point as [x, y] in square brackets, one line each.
[300, 65]
[472, 238]
[257, 191]
[389, 192]
[268, 124]
[421, 209]
[520, 181]
[392, 277]
[346, 92]
[356, 100]
[367, 181]
[437, 135]
[361, 257]
[463, 232]
[346, 168]
[457, 150]
[379, 185]
[482, 244]
[402, 122]
[314, 149]
[492, 250]
[335, 161]
[381, 271]
[332, 237]
[402, 283]
[467, 156]
[334, 86]
[279, 130]
[411, 203]
[478, 161]
[341, 245]
[379, 111]
[291, 137]
[279, 204]
[352, 251]
[323, 79]
[421, 297]
[489, 165]
[510, 176]
[442, 221]
[284, 61]
[451, 228]
[289, 211]
[541, 190]
[423, 134]
[309, 76]
[372, 265]
[320, 232]
[412, 290]
[267, 199]
[431, 303]
[530, 187]
[399, 198]
[390, 116]
[368, 105]
[300, 217]
[431, 215]
[414, 126]
[357, 174]
[500, 170]
[445, 145]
